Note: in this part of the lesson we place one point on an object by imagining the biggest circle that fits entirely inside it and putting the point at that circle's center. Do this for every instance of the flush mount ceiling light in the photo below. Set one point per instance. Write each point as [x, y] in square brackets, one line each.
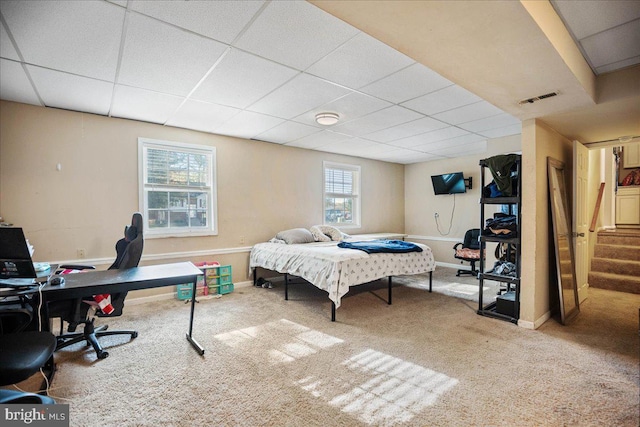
[327, 119]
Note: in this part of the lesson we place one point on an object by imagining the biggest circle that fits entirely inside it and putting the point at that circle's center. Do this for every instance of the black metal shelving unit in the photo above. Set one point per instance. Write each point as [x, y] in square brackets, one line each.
[512, 284]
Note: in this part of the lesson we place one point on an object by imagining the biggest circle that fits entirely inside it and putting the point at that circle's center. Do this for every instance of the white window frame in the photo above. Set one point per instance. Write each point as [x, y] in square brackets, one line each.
[356, 194]
[211, 190]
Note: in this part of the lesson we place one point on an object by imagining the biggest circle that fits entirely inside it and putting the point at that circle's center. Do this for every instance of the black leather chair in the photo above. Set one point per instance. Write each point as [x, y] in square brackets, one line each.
[22, 354]
[75, 312]
[468, 250]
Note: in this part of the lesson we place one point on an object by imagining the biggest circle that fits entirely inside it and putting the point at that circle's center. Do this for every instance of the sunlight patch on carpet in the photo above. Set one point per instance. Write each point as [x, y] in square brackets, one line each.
[283, 340]
[378, 388]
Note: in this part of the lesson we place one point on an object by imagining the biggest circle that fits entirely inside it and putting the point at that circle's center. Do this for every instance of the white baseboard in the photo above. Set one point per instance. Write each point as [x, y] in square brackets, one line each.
[537, 323]
[456, 266]
[172, 295]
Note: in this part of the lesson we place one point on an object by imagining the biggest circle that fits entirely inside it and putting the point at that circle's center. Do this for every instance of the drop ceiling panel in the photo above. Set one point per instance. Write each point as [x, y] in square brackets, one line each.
[79, 37]
[378, 120]
[219, 20]
[475, 147]
[163, 58]
[201, 116]
[442, 100]
[429, 137]
[493, 122]
[468, 113]
[503, 131]
[7, 50]
[318, 139]
[248, 124]
[614, 45]
[359, 62]
[287, 132]
[348, 107]
[295, 33]
[405, 130]
[406, 84]
[241, 79]
[15, 85]
[351, 147]
[145, 105]
[580, 15]
[614, 66]
[71, 92]
[298, 96]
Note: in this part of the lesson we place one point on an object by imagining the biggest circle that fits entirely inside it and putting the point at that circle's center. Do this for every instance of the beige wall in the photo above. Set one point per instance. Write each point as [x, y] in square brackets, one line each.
[421, 204]
[538, 143]
[262, 188]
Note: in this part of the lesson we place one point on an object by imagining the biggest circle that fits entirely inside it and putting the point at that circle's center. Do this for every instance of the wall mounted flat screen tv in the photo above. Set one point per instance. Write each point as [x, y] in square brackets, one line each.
[448, 183]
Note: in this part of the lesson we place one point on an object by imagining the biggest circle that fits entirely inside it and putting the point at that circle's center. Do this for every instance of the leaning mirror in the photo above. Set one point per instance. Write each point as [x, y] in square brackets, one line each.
[562, 236]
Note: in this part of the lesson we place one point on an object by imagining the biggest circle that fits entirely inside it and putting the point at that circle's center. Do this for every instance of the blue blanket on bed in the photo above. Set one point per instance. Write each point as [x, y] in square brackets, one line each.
[375, 246]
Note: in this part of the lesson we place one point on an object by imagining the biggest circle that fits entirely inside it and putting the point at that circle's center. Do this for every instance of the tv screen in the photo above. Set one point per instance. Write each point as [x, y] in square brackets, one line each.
[448, 183]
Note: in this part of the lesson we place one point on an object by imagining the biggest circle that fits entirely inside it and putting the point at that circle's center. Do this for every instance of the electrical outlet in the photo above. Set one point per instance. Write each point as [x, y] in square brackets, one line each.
[81, 253]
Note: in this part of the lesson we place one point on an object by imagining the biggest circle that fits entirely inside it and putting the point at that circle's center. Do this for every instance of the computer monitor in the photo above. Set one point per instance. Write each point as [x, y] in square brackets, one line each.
[16, 266]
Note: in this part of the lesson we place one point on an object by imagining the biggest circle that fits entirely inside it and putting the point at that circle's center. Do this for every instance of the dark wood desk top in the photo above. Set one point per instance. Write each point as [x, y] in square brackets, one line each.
[113, 281]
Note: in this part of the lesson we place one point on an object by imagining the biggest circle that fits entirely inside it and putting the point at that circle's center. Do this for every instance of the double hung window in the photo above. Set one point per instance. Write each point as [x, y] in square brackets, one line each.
[177, 188]
[341, 194]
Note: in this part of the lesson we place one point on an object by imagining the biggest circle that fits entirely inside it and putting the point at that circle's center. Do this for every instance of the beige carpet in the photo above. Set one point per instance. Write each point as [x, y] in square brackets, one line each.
[426, 360]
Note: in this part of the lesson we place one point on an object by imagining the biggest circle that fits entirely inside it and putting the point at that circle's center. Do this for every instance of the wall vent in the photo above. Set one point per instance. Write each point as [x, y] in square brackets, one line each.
[538, 98]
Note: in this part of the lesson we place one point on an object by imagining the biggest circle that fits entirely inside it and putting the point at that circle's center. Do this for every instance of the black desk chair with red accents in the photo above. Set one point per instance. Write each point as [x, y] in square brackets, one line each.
[80, 311]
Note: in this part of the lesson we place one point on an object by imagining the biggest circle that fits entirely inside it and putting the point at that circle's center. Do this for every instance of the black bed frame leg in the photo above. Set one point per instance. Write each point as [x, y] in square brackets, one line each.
[333, 311]
[430, 280]
[389, 291]
[255, 276]
[286, 287]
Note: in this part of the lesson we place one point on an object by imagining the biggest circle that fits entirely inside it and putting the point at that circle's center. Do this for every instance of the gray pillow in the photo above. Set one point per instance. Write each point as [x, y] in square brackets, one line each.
[296, 235]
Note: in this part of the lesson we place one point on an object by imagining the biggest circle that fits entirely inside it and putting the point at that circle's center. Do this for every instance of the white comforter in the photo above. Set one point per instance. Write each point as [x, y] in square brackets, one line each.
[335, 269]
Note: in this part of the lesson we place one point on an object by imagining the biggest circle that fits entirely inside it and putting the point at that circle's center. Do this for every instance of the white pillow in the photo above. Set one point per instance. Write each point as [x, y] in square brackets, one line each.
[318, 235]
[295, 236]
[333, 233]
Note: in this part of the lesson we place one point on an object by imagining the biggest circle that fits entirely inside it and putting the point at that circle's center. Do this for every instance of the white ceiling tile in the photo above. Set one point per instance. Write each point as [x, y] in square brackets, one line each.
[122, 3]
[7, 50]
[409, 83]
[442, 100]
[80, 37]
[405, 130]
[420, 157]
[163, 58]
[298, 96]
[241, 78]
[475, 147]
[71, 92]
[618, 65]
[295, 33]
[15, 85]
[591, 17]
[617, 44]
[286, 132]
[348, 107]
[247, 125]
[144, 105]
[468, 113]
[378, 120]
[430, 137]
[350, 146]
[451, 143]
[360, 61]
[201, 116]
[220, 20]
[493, 122]
[503, 131]
[318, 139]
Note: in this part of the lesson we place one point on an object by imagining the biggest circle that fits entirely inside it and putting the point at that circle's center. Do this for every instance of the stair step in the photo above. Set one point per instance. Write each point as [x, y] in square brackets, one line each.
[627, 252]
[615, 282]
[619, 238]
[615, 266]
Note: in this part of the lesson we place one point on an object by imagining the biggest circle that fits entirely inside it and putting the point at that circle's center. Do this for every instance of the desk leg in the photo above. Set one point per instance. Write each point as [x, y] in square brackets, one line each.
[193, 342]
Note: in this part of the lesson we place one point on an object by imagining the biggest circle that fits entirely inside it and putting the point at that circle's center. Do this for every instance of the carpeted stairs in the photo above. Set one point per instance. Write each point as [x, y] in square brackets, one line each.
[616, 262]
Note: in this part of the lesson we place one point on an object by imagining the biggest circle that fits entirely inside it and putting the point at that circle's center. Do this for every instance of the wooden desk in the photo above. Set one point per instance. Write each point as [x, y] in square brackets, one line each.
[113, 281]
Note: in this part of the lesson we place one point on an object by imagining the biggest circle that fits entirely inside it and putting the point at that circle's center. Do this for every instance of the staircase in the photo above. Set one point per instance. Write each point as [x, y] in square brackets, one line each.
[616, 262]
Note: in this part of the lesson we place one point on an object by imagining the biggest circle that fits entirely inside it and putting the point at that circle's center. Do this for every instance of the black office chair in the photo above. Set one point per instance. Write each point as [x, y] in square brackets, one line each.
[468, 250]
[22, 354]
[75, 312]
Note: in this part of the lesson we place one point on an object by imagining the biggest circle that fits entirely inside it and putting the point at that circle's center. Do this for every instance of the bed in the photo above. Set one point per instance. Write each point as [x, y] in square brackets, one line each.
[334, 269]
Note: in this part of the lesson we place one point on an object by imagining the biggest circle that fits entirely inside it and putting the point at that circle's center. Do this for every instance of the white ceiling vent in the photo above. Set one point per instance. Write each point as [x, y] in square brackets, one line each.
[538, 98]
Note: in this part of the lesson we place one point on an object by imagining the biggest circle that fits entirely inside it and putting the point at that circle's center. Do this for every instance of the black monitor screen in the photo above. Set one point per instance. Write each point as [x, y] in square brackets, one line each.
[15, 259]
[449, 183]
